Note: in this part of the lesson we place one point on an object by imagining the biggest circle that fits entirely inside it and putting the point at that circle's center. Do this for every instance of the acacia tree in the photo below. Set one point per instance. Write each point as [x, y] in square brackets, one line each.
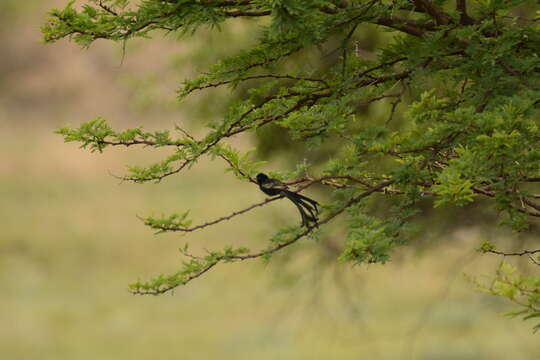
[464, 75]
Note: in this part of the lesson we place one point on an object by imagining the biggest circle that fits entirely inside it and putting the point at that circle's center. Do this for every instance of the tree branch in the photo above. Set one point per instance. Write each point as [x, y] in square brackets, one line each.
[491, 194]
[438, 15]
[464, 18]
[213, 222]
[519, 253]
[254, 77]
[240, 13]
[266, 252]
[401, 25]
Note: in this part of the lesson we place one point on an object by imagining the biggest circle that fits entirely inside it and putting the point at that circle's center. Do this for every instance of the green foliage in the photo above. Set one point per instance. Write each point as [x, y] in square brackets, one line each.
[466, 78]
[91, 134]
[191, 269]
[452, 188]
[486, 246]
[240, 163]
[520, 289]
[97, 135]
[171, 222]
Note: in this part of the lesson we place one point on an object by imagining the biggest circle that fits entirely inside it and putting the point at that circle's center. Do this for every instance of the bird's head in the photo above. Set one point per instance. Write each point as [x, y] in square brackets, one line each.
[261, 178]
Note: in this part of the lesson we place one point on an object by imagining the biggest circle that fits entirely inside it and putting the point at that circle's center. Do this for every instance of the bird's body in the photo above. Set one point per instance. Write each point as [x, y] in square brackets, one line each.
[306, 206]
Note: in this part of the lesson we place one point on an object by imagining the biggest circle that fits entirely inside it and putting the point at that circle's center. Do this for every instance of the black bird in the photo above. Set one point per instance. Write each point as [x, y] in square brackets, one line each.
[306, 206]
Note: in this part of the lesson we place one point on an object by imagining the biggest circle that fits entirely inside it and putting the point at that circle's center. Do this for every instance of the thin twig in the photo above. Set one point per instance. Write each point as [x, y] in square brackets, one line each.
[519, 253]
[216, 221]
[255, 77]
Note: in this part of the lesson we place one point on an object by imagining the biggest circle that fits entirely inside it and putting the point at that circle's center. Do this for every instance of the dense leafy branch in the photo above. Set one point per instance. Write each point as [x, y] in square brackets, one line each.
[95, 22]
[467, 76]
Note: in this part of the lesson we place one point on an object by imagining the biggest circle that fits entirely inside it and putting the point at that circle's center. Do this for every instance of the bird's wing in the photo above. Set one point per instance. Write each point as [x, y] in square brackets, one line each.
[274, 184]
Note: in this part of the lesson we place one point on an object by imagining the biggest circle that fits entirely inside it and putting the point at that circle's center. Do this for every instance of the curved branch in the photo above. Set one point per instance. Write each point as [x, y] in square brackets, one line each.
[438, 15]
[406, 26]
[254, 77]
[519, 253]
[213, 222]
[491, 194]
[266, 252]
[240, 13]
[528, 253]
[307, 182]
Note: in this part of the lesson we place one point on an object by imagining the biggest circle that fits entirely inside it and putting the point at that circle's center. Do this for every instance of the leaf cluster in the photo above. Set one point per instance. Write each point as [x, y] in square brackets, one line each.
[521, 290]
[465, 77]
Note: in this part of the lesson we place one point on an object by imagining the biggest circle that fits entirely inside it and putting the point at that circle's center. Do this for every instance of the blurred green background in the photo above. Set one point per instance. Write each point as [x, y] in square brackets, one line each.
[71, 241]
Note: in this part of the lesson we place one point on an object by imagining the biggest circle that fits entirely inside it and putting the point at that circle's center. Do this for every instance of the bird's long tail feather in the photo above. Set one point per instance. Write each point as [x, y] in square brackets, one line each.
[306, 202]
[311, 201]
[302, 207]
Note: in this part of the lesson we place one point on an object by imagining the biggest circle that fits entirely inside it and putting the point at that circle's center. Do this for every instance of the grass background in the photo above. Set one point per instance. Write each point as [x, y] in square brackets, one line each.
[71, 242]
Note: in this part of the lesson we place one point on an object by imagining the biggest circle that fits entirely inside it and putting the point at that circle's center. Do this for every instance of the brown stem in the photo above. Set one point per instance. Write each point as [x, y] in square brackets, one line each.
[464, 18]
[439, 16]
